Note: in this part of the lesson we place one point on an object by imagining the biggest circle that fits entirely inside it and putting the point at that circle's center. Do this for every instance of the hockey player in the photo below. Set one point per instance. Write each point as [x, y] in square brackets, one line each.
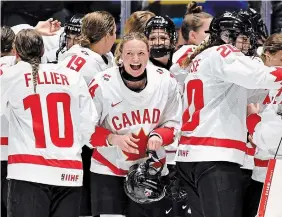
[51, 116]
[7, 59]
[265, 124]
[139, 107]
[212, 146]
[162, 37]
[71, 34]
[92, 55]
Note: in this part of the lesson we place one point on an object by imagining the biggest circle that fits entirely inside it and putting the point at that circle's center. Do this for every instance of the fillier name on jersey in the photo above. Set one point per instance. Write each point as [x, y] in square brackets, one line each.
[215, 100]
[49, 127]
[155, 109]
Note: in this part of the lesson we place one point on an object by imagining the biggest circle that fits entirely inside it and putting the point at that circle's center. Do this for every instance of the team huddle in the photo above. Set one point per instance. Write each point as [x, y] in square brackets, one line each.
[172, 124]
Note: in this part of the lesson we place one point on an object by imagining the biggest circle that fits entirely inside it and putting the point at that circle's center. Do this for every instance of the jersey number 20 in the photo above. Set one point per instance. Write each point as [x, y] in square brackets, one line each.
[33, 103]
[195, 97]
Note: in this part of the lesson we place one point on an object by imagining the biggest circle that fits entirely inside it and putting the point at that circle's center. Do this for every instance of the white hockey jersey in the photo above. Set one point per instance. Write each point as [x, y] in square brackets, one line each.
[47, 129]
[267, 133]
[5, 61]
[179, 56]
[85, 61]
[215, 100]
[154, 110]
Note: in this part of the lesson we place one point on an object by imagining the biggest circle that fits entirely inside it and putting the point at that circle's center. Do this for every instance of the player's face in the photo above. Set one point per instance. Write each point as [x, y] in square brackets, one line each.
[135, 56]
[200, 35]
[243, 43]
[158, 37]
[71, 39]
[274, 59]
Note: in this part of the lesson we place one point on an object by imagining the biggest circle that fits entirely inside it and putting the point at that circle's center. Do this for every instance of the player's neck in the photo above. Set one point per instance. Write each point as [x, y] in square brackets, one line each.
[136, 86]
[98, 48]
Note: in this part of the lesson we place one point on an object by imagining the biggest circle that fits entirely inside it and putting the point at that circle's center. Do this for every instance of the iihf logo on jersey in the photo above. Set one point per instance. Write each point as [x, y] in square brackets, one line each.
[69, 177]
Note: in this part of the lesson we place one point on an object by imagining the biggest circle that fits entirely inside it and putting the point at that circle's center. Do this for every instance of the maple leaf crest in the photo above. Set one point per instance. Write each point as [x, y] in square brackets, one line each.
[278, 74]
[142, 146]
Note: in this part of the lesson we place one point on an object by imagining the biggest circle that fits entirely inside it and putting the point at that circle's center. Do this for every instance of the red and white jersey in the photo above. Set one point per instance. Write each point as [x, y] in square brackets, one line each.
[154, 110]
[179, 56]
[47, 129]
[5, 61]
[182, 53]
[86, 61]
[215, 100]
[266, 128]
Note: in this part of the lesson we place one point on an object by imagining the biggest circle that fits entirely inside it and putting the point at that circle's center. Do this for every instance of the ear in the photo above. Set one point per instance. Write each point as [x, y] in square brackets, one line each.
[192, 37]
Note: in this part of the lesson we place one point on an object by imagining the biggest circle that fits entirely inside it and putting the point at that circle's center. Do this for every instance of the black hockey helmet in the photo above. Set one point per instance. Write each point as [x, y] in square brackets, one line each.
[73, 26]
[259, 26]
[228, 26]
[165, 23]
[143, 183]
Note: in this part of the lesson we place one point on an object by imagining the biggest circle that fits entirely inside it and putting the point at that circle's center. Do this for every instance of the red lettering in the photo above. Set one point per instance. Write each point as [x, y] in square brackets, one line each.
[117, 127]
[76, 178]
[46, 78]
[195, 64]
[125, 120]
[146, 117]
[136, 117]
[64, 79]
[27, 79]
[226, 49]
[38, 80]
[76, 63]
[57, 78]
[156, 116]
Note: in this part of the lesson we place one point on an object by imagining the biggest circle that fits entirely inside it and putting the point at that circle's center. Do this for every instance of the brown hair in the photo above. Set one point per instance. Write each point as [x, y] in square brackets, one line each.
[7, 39]
[128, 37]
[30, 48]
[95, 26]
[272, 44]
[193, 19]
[137, 21]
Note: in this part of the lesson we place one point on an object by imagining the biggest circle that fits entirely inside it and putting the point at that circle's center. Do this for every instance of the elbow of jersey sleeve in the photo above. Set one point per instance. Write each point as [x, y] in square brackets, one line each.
[167, 134]
[99, 138]
[252, 121]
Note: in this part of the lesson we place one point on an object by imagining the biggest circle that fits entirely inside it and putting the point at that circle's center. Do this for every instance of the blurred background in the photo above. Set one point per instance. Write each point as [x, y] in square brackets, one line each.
[30, 12]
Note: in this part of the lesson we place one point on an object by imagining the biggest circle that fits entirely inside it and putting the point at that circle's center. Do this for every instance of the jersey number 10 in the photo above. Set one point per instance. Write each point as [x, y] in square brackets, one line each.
[33, 103]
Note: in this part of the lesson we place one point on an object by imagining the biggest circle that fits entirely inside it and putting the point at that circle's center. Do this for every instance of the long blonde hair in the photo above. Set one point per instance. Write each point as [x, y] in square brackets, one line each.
[30, 48]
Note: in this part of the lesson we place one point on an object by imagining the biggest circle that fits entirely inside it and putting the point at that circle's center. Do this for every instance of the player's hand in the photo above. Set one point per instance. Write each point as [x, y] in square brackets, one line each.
[154, 143]
[253, 109]
[48, 27]
[125, 142]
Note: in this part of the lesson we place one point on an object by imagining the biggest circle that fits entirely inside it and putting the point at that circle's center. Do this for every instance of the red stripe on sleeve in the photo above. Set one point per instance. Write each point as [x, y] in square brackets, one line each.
[166, 133]
[252, 121]
[99, 137]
